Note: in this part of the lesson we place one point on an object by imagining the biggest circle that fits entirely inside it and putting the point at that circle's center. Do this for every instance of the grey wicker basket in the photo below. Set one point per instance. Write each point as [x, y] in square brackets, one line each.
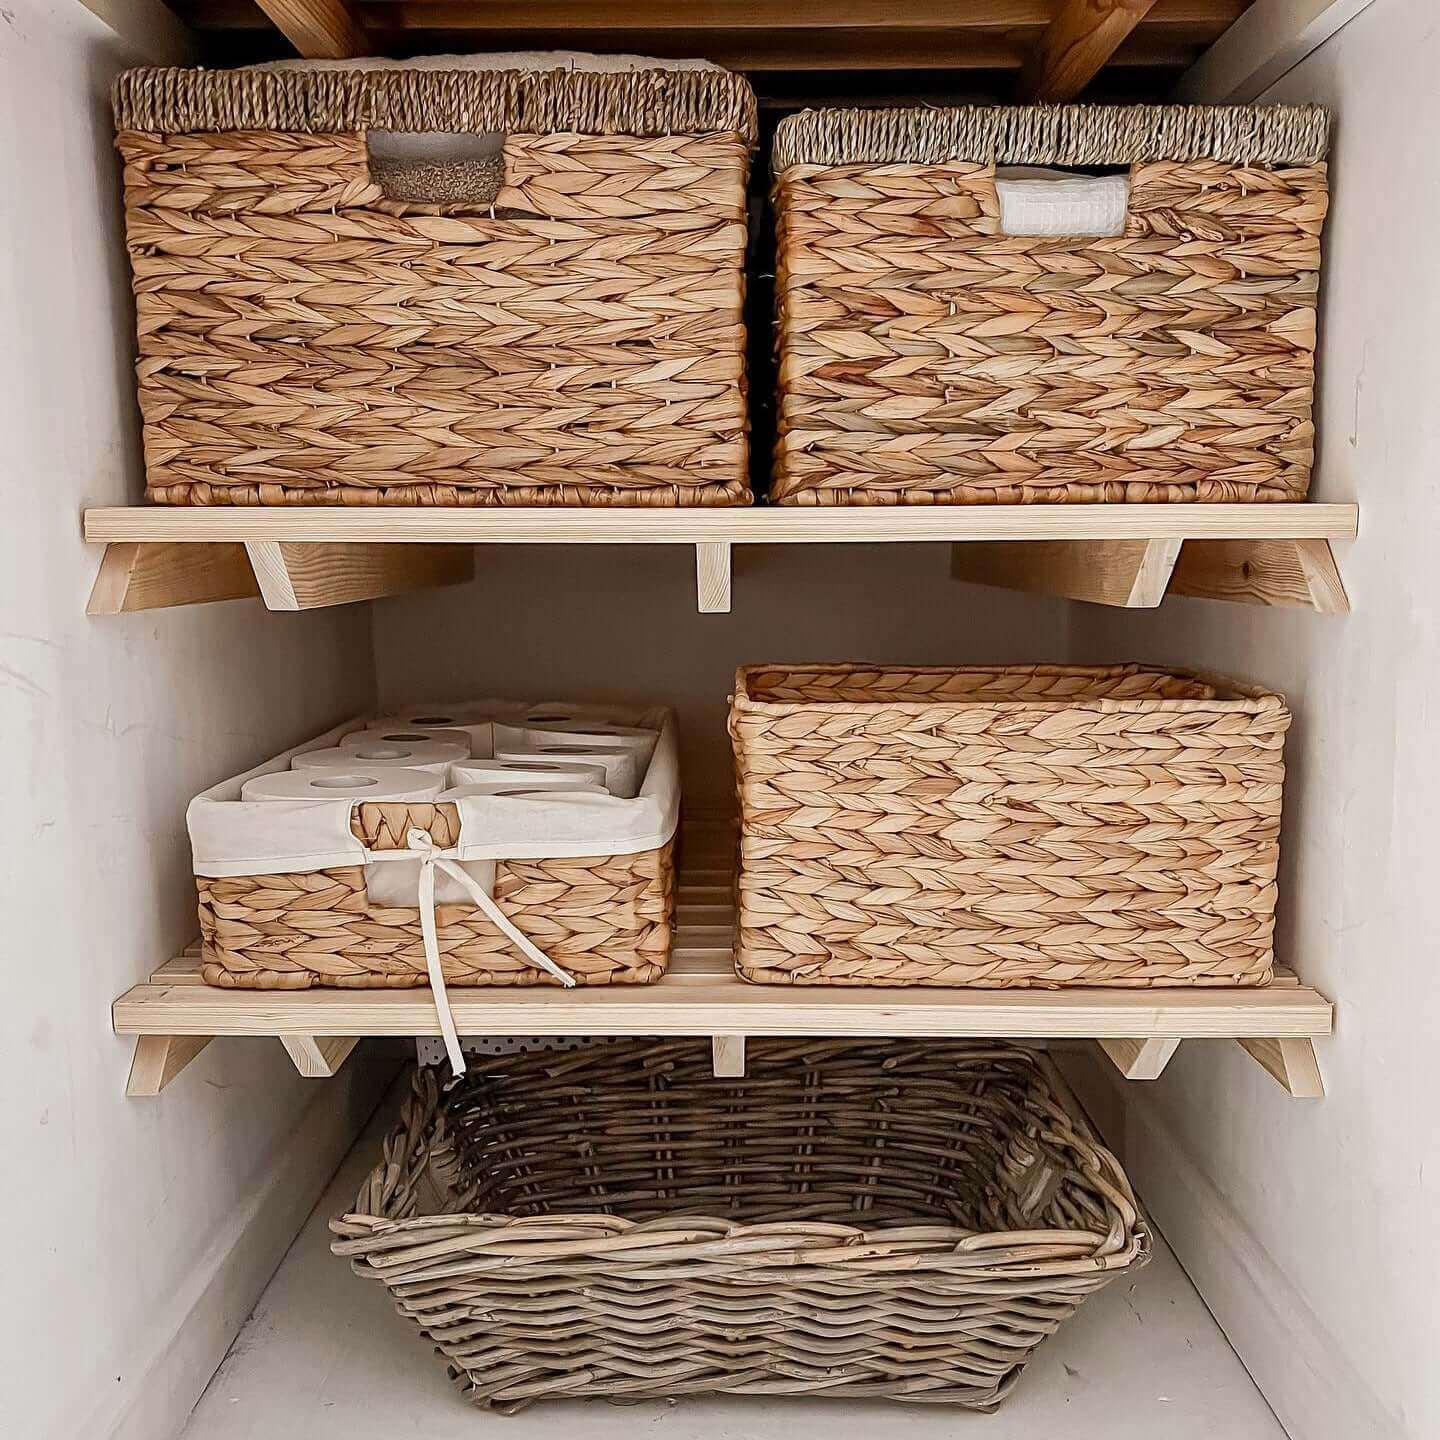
[887, 1219]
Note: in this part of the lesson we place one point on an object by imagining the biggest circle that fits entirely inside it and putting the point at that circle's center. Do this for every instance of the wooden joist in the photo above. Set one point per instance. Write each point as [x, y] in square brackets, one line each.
[1076, 44]
[318, 29]
[646, 16]
[755, 35]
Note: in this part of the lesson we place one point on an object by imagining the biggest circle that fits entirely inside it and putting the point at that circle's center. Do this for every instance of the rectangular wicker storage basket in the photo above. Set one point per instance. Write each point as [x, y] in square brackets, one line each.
[926, 357]
[1028, 825]
[606, 919]
[302, 895]
[905, 1220]
[558, 324]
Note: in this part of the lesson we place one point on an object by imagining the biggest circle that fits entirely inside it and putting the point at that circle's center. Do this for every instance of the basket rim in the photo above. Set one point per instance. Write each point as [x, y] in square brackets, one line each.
[1243, 697]
[1053, 135]
[643, 103]
[422, 1115]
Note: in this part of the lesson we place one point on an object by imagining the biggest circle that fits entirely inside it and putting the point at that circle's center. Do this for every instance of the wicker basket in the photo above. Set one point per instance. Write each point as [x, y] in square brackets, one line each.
[606, 920]
[852, 1219]
[317, 326]
[1025, 825]
[926, 357]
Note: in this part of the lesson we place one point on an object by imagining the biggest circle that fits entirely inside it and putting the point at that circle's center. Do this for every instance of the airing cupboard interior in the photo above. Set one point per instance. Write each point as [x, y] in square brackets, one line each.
[732, 701]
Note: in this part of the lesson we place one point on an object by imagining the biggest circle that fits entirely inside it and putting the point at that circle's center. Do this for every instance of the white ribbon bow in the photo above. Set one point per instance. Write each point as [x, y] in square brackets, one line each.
[432, 859]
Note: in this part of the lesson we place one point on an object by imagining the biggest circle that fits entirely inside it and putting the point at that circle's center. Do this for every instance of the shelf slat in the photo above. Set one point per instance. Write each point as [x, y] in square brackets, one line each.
[701, 995]
[753, 525]
[710, 1004]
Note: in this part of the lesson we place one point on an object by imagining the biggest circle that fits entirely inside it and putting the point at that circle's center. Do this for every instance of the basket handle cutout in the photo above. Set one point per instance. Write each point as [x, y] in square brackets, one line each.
[437, 168]
[1047, 201]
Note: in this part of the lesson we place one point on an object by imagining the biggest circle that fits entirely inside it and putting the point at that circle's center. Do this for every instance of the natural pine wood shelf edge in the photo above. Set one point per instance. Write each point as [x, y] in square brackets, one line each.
[299, 558]
[1138, 1029]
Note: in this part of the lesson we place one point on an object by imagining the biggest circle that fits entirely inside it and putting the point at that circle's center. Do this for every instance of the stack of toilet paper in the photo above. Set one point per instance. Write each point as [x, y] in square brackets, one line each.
[542, 780]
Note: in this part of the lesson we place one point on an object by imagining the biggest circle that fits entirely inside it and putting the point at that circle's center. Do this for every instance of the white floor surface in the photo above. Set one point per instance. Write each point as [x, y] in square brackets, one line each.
[325, 1357]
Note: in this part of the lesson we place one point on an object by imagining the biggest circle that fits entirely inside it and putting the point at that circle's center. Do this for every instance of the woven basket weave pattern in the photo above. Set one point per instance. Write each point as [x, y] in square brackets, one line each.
[605, 919]
[304, 340]
[1022, 826]
[856, 1219]
[927, 358]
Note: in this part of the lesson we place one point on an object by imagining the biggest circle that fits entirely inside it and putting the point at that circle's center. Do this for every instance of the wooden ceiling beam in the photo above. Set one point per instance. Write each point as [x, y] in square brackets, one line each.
[1076, 44]
[502, 16]
[319, 29]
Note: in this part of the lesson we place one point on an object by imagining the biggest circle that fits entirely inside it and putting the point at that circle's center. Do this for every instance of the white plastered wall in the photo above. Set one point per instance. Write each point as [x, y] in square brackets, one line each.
[1310, 1227]
[138, 1233]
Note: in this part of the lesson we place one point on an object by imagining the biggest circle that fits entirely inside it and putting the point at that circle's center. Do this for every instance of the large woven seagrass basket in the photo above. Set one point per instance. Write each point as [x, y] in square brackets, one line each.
[545, 310]
[605, 919]
[886, 1219]
[926, 356]
[1028, 825]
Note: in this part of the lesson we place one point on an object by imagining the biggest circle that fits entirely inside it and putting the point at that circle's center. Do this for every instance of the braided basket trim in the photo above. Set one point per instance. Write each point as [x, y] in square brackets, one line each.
[538, 102]
[1055, 135]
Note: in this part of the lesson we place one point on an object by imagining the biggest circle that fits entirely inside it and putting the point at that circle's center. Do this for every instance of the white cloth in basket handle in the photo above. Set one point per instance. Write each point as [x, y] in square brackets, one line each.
[431, 859]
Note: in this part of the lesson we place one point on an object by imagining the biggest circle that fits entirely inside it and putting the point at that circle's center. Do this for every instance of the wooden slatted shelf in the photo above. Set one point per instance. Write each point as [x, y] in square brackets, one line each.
[1128, 555]
[1138, 1029]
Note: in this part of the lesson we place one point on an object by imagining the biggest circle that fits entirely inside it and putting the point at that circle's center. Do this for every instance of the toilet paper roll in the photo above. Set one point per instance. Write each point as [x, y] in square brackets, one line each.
[539, 774]
[457, 724]
[399, 732]
[623, 768]
[498, 788]
[577, 734]
[433, 755]
[358, 782]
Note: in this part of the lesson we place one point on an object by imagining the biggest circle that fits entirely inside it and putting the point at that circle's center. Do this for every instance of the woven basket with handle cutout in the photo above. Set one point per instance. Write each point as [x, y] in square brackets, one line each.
[926, 357]
[556, 324]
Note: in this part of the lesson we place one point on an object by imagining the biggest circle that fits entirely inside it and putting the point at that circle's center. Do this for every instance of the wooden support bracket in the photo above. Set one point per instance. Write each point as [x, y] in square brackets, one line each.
[318, 1057]
[287, 575]
[712, 578]
[153, 575]
[310, 576]
[1139, 1059]
[1292, 1062]
[1132, 573]
[1262, 572]
[727, 1054]
[1137, 574]
[159, 1059]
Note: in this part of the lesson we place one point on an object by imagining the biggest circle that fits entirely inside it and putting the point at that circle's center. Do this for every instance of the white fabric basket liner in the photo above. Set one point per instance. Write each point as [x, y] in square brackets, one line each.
[229, 836]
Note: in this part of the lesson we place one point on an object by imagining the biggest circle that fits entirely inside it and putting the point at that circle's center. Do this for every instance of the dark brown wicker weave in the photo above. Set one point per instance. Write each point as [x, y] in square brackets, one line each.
[900, 1219]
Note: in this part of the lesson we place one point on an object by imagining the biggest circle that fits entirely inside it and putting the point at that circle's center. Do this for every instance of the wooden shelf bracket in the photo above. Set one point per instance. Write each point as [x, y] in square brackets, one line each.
[1291, 1061]
[159, 1059]
[318, 1057]
[728, 1056]
[1137, 574]
[712, 578]
[153, 575]
[1140, 1059]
